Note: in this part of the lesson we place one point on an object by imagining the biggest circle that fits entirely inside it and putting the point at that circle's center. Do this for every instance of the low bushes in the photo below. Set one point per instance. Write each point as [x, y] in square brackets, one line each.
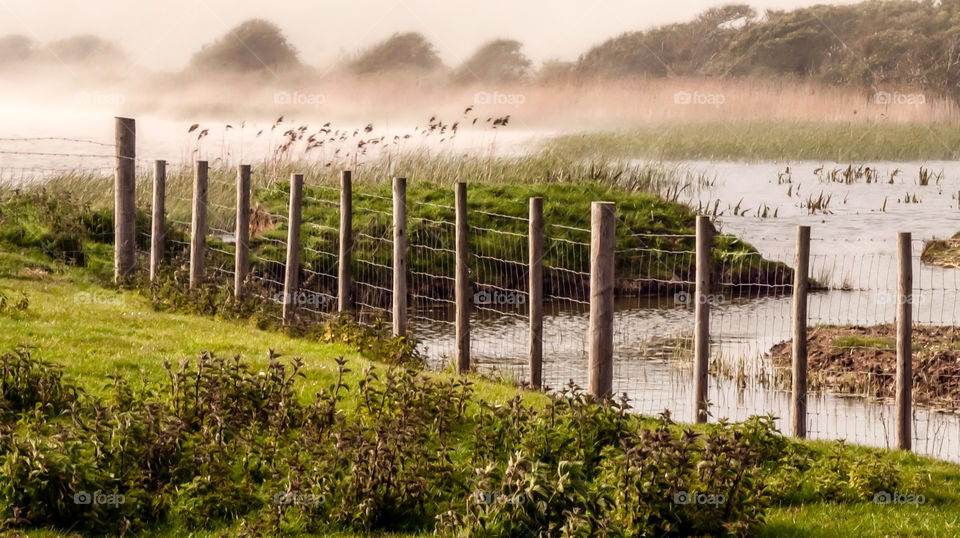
[221, 442]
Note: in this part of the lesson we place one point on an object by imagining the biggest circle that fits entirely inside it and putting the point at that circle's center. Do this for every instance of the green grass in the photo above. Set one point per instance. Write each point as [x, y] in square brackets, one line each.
[945, 253]
[871, 342]
[565, 204]
[95, 332]
[939, 515]
[767, 140]
[443, 169]
[496, 214]
[497, 198]
[119, 331]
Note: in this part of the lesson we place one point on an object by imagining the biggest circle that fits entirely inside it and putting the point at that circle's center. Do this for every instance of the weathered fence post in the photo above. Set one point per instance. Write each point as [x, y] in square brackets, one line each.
[701, 339]
[798, 402]
[158, 217]
[242, 260]
[198, 224]
[535, 286]
[292, 273]
[603, 233]
[125, 202]
[462, 281]
[904, 382]
[344, 279]
[399, 256]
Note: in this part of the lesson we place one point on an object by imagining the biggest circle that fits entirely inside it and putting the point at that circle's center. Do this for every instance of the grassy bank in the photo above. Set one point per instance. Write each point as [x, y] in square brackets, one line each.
[767, 140]
[942, 252]
[654, 238]
[653, 254]
[454, 446]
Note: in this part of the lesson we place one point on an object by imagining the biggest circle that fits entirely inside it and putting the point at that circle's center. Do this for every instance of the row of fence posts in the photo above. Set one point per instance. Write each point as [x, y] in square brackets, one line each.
[602, 277]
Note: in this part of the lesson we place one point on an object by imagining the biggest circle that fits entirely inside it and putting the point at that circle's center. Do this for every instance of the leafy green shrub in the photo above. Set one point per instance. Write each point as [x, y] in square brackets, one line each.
[28, 383]
[19, 305]
[400, 451]
[221, 441]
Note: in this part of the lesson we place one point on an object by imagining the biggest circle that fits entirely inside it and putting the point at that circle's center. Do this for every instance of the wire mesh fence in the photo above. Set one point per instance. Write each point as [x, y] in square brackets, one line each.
[431, 241]
[372, 257]
[852, 302]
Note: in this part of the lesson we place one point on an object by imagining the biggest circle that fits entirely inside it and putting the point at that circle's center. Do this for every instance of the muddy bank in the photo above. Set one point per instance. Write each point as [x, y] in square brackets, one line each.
[863, 360]
[944, 253]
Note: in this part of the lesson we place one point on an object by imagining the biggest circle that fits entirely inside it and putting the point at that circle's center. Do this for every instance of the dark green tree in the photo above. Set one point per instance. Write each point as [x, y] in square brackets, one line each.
[85, 48]
[501, 60]
[401, 52]
[254, 45]
[15, 48]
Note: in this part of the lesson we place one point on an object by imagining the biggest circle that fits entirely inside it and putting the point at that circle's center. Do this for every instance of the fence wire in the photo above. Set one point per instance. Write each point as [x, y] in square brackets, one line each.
[851, 306]
[431, 242]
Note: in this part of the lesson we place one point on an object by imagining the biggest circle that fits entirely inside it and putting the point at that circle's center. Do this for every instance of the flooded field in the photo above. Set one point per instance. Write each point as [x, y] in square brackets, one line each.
[852, 253]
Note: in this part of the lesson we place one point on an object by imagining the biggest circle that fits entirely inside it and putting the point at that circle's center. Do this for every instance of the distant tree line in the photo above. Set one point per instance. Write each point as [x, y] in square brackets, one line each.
[873, 44]
[17, 48]
[877, 43]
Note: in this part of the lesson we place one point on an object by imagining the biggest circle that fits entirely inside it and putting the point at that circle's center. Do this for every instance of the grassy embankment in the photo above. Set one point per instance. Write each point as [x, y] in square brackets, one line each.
[942, 252]
[646, 197]
[768, 140]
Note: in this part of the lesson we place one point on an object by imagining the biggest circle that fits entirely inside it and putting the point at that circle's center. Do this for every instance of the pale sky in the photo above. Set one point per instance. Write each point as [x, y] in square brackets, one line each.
[163, 34]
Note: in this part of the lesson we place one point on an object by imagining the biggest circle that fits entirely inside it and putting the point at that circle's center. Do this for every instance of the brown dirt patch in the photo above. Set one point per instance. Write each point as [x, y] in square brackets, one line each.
[863, 360]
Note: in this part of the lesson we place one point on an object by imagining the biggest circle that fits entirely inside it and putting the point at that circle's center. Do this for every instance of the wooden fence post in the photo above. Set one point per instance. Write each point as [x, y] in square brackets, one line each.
[125, 202]
[798, 402]
[701, 341]
[242, 260]
[292, 273]
[603, 234]
[535, 287]
[399, 256]
[158, 217]
[344, 280]
[904, 382]
[198, 224]
[462, 281]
